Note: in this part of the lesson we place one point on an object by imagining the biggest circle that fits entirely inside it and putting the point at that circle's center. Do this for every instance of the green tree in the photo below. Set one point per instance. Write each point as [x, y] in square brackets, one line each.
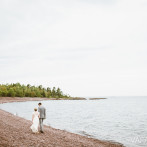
[54, 92]
[18, 90]
[59, 93]
[40, 87]
[19, 93]
[32, 94]
[11, 92]
[4, 93]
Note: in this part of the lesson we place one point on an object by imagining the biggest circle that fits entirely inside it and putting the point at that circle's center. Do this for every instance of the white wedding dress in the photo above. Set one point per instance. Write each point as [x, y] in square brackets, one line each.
[35, 124]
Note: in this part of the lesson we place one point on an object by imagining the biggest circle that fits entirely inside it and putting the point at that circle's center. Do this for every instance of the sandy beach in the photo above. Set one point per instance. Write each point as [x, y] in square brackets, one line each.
[15, 132]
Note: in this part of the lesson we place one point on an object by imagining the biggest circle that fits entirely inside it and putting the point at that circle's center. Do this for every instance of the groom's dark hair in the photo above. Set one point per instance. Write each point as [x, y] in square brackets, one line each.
[39, 103]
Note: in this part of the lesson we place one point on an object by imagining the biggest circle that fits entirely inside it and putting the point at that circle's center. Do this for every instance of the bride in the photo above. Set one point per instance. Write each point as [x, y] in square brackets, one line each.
[35, 120]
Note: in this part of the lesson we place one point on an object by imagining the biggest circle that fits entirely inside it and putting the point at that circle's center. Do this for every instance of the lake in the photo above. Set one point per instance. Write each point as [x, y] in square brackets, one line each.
[120, 119]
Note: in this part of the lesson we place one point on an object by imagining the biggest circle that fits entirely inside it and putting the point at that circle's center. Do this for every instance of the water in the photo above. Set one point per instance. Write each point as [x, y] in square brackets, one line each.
[120, 119]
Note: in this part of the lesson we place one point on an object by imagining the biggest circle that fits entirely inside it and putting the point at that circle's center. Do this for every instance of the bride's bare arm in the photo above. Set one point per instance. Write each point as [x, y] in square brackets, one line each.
[32, 117]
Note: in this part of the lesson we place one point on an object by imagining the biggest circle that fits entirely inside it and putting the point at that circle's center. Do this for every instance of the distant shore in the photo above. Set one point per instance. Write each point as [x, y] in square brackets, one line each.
[23, 99]
[96, 98]
[15, 131]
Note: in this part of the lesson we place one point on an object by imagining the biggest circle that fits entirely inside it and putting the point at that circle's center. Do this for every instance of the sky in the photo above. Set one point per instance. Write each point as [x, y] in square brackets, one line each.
[85, 47]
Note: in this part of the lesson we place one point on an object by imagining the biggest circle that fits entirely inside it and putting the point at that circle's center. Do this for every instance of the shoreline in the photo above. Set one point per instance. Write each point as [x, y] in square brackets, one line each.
[15, 131]
[24, 99]
[97, 98]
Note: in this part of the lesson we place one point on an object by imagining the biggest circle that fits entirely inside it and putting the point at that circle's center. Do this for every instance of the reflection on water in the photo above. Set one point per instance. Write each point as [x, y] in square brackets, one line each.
[121, 119]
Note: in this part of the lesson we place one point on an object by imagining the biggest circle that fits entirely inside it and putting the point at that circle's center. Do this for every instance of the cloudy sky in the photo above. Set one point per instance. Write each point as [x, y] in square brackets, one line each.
[85, 47]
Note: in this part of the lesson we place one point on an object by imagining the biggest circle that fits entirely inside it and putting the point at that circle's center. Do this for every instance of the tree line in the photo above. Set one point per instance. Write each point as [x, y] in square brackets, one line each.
[18, 90]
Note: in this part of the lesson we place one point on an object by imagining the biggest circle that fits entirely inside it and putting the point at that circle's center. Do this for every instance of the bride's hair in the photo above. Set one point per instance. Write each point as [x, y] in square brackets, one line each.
[35, 109]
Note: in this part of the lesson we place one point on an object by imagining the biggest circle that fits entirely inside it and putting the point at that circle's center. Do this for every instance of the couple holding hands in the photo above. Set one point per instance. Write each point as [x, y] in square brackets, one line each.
[37, 118]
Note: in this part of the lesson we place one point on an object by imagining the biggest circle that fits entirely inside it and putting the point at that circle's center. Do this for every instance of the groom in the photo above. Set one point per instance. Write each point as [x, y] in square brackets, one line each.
[42, 112]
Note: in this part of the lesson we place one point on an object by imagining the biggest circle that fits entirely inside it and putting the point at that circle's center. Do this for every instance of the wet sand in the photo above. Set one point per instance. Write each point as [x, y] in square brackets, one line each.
[15, 132]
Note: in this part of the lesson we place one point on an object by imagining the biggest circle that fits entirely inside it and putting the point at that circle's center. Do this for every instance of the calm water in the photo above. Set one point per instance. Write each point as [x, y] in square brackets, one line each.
[121, 119]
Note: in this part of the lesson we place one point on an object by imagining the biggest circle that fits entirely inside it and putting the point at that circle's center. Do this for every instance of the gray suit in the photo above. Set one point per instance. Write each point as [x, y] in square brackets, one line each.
[42, 112]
